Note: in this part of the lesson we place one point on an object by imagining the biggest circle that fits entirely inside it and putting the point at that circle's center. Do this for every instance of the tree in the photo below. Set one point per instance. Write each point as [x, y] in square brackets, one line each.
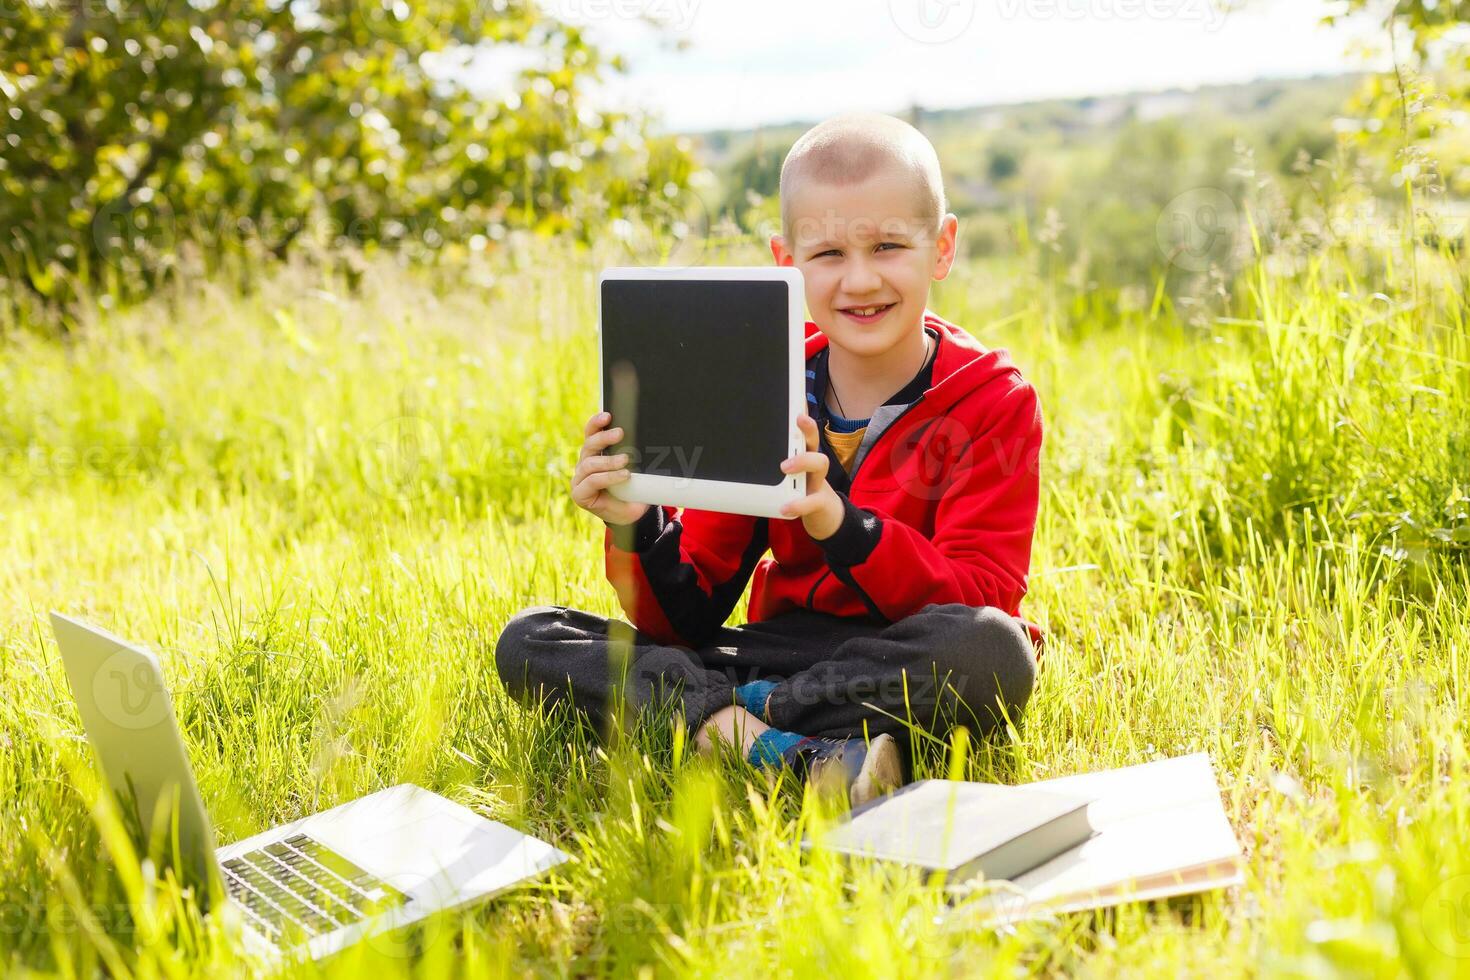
[1406, 109]
[1430, 44]
[1426, 23]
[134, 126]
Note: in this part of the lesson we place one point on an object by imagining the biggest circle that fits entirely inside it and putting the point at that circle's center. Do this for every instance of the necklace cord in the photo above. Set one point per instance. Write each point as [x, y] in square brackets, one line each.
[838, 398]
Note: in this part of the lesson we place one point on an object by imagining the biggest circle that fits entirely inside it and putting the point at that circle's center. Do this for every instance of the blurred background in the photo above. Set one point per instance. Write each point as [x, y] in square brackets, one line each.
[1113, 147]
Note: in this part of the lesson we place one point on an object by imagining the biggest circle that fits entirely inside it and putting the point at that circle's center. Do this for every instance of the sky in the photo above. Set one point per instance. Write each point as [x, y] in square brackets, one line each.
[744, 63]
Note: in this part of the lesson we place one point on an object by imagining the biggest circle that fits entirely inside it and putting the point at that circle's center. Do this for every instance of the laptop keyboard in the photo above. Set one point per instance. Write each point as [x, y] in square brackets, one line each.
[300, 885]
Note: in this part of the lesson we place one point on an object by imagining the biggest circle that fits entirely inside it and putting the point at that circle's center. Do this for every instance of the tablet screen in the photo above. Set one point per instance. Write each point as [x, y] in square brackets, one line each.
[706, 365]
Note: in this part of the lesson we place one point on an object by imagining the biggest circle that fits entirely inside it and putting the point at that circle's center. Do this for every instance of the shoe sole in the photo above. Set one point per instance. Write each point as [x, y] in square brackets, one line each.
[882, 771]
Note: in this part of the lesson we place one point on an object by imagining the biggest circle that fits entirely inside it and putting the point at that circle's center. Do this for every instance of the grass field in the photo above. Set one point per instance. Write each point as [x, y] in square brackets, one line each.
[320, 507]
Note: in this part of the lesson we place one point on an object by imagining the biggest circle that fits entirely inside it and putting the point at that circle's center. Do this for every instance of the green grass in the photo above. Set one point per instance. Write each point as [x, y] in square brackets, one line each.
[321, 508]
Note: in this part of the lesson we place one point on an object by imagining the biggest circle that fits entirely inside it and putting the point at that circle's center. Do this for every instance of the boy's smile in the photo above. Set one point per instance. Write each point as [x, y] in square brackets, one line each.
[867, 254]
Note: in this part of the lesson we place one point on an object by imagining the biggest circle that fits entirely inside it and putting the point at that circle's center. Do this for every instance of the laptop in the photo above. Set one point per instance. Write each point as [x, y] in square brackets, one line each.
[315, 885]
[703, 369]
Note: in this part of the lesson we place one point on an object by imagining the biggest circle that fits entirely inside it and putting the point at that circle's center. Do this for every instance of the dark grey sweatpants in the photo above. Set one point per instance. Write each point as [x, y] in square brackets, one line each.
[944, 665]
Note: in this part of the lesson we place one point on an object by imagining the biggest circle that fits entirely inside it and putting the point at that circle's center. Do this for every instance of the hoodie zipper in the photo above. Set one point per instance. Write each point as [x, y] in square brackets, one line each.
[852, 478]
[812, 594]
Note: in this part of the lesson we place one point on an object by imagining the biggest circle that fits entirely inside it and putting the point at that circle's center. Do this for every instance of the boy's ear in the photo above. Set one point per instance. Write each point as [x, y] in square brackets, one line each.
[781, 252]
[946, 246]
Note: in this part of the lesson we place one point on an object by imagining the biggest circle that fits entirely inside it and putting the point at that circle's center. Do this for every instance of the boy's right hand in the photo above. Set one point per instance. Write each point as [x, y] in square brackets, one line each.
[596, 472]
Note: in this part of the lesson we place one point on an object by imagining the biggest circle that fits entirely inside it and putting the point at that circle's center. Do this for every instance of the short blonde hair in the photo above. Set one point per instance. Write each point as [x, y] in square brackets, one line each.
[849, 149]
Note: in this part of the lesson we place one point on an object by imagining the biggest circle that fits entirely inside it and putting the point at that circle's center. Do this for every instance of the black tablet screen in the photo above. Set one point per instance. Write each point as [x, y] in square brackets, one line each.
[705, 364]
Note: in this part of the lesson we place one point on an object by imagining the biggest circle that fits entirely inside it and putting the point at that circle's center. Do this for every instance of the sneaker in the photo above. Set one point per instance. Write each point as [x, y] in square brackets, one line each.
[864, 770]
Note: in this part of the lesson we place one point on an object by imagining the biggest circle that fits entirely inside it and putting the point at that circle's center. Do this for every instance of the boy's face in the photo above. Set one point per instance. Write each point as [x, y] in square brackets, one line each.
[863, 246]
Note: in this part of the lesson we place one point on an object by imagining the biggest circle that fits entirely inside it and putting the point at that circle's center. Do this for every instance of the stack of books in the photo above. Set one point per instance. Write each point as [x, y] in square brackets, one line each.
[1079, 842]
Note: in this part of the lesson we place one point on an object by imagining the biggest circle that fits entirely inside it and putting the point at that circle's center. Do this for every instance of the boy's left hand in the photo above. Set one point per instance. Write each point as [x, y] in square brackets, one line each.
[821, 509]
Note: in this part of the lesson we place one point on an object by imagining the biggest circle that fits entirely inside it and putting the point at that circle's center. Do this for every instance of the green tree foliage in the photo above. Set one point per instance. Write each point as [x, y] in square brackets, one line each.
[1430, 78]
[135, 130]
[1411, 118]
[753, 184]
[1425, 22]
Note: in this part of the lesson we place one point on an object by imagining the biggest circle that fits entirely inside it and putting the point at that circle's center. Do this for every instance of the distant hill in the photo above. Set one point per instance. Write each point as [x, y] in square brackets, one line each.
[995, 155]
[1091, 175]
[1259, 98]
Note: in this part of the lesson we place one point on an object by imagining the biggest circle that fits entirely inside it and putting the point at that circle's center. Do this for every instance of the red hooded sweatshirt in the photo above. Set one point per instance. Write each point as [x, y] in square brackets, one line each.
[941, 509]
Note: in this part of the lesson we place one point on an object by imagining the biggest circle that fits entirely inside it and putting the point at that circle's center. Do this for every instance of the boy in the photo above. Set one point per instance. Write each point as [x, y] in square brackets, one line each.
[890, 594]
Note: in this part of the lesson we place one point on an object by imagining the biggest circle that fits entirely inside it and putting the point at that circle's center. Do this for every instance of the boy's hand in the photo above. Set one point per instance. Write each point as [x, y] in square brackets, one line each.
[596, 472]
[821, 509]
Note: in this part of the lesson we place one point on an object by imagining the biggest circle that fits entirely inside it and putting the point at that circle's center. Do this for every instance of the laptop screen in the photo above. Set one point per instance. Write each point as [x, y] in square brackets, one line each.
[704, 365]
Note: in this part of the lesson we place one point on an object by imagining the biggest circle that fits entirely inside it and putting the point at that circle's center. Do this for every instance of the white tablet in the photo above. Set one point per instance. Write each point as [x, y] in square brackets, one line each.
[702, 368]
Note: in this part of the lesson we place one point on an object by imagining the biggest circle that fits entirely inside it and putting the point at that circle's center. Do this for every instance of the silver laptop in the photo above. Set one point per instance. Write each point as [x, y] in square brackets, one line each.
[313, 886]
